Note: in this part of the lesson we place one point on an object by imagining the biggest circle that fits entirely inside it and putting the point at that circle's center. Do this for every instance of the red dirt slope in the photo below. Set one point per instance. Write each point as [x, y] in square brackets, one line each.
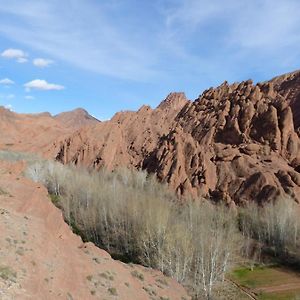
[40, 258]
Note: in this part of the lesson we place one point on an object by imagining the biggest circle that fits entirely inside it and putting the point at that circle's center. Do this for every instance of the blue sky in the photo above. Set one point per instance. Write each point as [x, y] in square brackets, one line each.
[112, 55]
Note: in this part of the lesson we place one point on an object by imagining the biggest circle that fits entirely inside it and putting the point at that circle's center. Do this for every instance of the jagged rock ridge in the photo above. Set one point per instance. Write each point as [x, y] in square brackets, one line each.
[236, 142]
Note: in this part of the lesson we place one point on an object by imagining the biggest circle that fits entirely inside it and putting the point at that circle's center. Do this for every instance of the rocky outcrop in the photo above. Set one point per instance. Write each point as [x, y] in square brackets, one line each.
[125, 140]
[237, 142]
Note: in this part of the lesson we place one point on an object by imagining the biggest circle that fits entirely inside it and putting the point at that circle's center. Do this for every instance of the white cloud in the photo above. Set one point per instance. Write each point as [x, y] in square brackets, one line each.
[260, 24]
[42, 62]
[43, 85]
[6, 81]
[87, 37]
[22, 60]
[9, 107]
[28, 97]
[19, 55]
[10, 96]
[189, 39]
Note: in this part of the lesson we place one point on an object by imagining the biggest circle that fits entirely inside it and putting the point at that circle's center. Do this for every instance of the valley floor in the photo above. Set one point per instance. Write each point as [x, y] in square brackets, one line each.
[269, 282]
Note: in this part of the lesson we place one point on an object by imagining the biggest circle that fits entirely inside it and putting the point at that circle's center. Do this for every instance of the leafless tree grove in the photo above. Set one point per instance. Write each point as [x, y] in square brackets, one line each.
[137, 219]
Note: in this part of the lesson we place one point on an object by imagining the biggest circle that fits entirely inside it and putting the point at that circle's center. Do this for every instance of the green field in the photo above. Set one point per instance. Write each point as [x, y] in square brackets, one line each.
[269, 282]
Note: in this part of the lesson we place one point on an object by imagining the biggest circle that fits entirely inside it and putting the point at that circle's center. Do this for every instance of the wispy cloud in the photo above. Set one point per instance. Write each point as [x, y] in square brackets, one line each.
[42, 85]
[85, 37]
[42, 62]
[257, 23]
[189, 39]
[221, 36]
[19, 55]
[9, 107]
[28, 97]
[6, 81]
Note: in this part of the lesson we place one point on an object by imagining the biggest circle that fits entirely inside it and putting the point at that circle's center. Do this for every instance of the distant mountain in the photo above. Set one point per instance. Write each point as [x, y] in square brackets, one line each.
[76, 118]
[35, 132]
[125, 140]
[237, 142]
[28, 132]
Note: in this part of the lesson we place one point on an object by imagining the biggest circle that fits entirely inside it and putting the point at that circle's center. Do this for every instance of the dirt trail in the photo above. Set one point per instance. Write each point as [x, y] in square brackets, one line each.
[281, 288]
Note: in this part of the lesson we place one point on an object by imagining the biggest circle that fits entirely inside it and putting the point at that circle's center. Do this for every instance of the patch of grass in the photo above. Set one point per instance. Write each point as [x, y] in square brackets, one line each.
[259, 276]
[113, 291]
[55, 199]
[137, 275]
[6, 273]
[150, 291]
[20, 251]
[267, 276]
[241, 273]
[162, 281]
[111, 278]
[103, 275]
[96, 260]
[107, 276]
[8, 155]
[287, 295]
[89, 277]
[3, 192]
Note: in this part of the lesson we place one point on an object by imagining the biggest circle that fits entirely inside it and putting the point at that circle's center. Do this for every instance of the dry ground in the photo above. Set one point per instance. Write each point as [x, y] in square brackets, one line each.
[40, 258]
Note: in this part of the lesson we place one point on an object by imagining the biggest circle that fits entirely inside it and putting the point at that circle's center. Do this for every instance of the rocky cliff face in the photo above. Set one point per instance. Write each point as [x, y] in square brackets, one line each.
[126, 140]
[237, 142]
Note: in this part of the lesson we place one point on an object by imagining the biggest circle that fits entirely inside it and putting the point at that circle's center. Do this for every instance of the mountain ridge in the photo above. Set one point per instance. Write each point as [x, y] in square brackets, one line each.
[236, 143]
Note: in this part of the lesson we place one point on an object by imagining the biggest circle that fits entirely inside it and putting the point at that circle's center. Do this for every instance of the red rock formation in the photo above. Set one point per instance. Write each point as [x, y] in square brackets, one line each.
[35, 132]
[237, 142]
[125, 140]
[76, 118]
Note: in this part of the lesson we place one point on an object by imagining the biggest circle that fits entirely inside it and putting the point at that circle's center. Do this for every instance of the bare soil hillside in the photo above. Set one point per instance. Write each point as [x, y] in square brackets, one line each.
[40, 257]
